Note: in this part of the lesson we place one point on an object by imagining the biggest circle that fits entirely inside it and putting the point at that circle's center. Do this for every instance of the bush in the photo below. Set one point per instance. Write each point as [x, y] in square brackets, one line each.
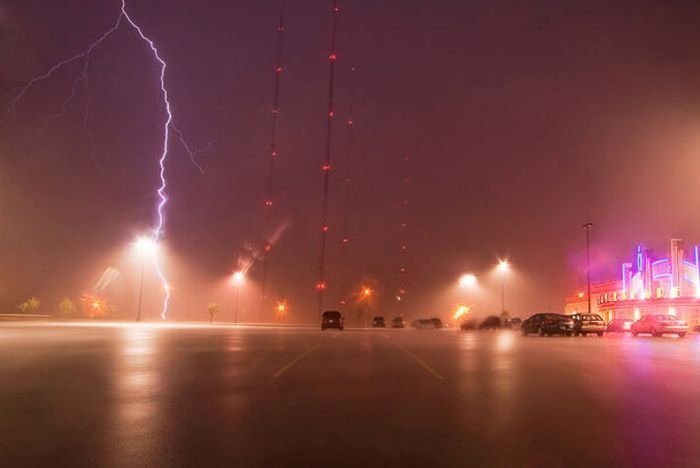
[66, 307]
[29, 306]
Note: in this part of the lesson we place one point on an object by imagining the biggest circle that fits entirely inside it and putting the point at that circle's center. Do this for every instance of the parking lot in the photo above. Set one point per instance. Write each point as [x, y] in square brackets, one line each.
[150, 395]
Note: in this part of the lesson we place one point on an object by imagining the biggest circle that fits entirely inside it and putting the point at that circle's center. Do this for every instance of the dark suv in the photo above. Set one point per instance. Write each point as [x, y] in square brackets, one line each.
[548, 324]
[490, 323]
[331, 319]
[378, 322]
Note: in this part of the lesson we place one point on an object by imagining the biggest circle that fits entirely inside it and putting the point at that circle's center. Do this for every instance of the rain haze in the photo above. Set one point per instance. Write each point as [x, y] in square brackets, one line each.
[395, 233]
[521, 122]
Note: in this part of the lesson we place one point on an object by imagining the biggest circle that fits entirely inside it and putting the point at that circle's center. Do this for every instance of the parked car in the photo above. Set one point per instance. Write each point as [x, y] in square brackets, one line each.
[398, 322]
[421, 324]
[332, 319]
[513, 323]
[469, 324]
[378, 322]
[490, 323]
[619, 325]
[588, 323]
[437, 323]
[659, 324]
[548, 324]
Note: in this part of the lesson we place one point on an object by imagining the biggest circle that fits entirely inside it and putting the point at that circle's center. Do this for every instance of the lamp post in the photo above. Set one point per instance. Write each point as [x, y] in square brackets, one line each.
[588, 227]
[503, 268]
[467, 282]
[146, 247]
[365, 296]
[238, 278]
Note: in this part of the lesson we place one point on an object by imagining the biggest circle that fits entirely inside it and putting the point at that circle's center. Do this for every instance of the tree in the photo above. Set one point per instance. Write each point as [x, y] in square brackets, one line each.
[66, 307]
[213, 310]
[29, 306]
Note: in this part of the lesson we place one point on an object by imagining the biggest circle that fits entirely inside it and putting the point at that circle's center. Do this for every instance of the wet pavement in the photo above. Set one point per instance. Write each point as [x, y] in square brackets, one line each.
[113, 396]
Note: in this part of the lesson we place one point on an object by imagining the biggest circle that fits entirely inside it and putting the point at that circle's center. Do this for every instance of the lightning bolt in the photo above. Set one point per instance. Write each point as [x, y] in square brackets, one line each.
[162, 195]
[169, 128]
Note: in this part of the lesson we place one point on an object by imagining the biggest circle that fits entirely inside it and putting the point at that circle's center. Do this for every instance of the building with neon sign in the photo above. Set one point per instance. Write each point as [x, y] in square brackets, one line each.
[649, 284]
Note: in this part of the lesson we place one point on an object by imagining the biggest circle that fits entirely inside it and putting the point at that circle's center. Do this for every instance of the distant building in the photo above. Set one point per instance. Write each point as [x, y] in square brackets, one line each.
[649, 284]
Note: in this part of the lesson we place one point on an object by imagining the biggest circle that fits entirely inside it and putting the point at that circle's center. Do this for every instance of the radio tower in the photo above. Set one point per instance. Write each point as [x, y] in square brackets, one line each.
[326, 168]
[345, 242]
[402, 288]
[273, 153]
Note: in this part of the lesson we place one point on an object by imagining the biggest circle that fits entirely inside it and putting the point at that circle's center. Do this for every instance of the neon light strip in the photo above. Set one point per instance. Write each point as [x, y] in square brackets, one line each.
[624, 276]
[697, 272]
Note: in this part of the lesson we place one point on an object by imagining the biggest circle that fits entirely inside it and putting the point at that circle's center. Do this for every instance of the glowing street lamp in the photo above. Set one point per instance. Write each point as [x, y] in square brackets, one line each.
[237, 278]
[281, 309]
[366, 292]
[461, 311]
[146, 247]
[503, 268]
[467, 281]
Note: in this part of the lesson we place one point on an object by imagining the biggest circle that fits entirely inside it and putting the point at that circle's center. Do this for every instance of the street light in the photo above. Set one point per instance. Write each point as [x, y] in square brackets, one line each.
[365, 302]
[238, 278]
[146, 247]
[281, 309]
[503, 268]
[588, 227]
[467, 280]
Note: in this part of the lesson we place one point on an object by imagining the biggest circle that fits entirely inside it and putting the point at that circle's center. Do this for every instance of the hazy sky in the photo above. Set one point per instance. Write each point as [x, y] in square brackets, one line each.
[523, 120]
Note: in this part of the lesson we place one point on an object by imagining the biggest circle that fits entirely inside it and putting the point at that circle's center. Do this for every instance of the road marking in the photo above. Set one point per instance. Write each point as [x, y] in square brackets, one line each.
[420, 362]
[335, 334]
[291, 363]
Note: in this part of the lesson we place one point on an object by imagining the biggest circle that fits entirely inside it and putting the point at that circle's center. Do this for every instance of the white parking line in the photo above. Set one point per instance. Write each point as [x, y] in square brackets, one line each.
[421, 362]
[291, 363]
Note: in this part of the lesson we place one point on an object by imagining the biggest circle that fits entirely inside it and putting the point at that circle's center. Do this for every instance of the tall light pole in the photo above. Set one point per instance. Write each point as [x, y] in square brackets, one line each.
[468, 282]
[146, 247]
[503, 268]
[138, 311]
[365, 297]
[238, 278]
[588, 227]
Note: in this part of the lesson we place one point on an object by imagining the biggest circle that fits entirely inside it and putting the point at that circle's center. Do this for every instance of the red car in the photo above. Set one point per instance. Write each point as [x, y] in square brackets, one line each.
[620, 325]
[658, 324]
